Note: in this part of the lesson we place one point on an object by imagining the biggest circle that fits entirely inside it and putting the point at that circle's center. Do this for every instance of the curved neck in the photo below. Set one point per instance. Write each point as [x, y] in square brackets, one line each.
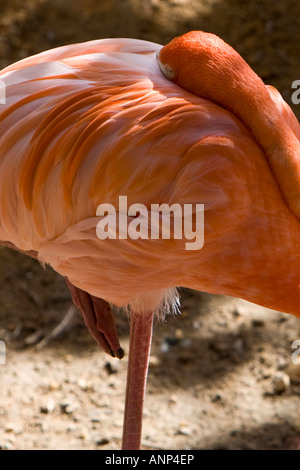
[209, 68]
[251, 102]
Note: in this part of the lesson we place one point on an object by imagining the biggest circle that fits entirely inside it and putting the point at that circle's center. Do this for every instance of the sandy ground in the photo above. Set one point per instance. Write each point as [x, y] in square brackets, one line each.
[213, 368]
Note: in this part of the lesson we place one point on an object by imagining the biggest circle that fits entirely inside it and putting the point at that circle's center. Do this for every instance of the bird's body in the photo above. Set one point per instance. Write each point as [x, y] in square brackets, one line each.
[87, 123]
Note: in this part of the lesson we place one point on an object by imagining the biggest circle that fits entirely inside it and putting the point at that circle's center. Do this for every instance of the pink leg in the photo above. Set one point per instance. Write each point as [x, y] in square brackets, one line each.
[139, 351]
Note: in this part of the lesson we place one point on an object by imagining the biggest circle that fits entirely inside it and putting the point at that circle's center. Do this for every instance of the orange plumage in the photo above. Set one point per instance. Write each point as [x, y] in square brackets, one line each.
[86, 123]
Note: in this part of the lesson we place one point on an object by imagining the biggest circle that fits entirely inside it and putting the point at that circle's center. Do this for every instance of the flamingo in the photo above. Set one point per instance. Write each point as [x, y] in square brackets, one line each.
[186, 123]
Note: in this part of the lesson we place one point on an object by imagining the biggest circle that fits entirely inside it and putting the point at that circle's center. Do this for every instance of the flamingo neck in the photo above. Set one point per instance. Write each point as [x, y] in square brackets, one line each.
[206, 66]
[250, 101]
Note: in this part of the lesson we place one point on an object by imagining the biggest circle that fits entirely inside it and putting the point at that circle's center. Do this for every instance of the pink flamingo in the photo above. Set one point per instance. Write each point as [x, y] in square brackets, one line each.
[187, 123]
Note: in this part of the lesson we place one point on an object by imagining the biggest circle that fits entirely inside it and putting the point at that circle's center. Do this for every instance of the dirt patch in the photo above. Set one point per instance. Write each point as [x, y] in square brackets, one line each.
[212, 373]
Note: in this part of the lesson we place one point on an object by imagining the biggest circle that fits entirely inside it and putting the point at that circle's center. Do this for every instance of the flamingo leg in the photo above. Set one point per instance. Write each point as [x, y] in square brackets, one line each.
[139, 350]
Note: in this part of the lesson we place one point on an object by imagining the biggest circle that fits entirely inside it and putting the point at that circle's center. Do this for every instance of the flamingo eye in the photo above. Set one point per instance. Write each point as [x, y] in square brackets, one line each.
[169, 72]
[166, 70]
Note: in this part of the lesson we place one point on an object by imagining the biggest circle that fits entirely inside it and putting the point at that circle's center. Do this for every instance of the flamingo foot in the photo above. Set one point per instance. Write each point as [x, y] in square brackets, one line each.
[138, 361]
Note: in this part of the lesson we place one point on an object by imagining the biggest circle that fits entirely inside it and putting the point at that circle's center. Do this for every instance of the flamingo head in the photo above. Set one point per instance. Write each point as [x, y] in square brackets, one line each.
[203, 64]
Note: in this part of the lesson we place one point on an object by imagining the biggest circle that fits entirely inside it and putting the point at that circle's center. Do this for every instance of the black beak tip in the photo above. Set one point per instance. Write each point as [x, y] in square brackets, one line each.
[120, 353]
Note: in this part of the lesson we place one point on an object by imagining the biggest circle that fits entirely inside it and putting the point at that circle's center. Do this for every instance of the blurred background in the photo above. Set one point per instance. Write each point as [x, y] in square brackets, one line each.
[220, 375]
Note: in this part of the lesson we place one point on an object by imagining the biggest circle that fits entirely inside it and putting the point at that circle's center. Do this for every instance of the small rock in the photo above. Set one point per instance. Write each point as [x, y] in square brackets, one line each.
[48, 407]
[257, 322]
[53, 386]
[84, 435]
[173, 399]
[118, 423]
[216, 398]
[172, 341]
[281, 382]
[102, 442]
[83, 384]
[178, 333]
[281, 364]
[164, 347]
[183, 430]
[9, 427]
[154, 362]
[68, 408]
[112, 367]
[95, 420]
[236, 313]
